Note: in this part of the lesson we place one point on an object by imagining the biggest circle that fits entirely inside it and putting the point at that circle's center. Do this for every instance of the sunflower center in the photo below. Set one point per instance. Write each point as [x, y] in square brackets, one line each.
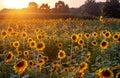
[116, 36]
[20, 64]
[74, 37]
[104, 44]
[107, 34]
[106, 73]
[39, 45]
[9, 56]
[61, 54]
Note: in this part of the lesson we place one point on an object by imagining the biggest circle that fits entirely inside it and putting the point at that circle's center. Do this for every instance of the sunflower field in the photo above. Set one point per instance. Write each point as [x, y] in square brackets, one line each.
[60, 48]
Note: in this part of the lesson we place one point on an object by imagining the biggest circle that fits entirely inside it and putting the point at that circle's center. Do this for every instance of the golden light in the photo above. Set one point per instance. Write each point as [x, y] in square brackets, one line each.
[16, 3]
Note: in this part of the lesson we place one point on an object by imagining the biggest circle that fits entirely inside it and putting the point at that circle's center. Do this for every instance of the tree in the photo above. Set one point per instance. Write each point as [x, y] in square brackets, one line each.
[111, 8]
[44, 8]
[61, 7]
[33, 5]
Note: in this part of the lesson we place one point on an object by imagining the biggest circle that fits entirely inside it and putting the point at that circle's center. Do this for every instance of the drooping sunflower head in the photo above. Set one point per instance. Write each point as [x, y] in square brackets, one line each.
[74, 37]
[9, 57]
[40, 46]
[104, 44]
[105, 73]
[20, 66]
[88, 56]
[83, 66]
[61, 54]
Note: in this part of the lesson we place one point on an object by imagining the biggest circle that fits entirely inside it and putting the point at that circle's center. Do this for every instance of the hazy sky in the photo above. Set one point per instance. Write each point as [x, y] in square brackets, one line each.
[24, 3]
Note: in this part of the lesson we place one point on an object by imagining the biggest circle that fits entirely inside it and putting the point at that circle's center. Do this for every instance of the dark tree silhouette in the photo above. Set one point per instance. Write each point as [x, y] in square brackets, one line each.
[61, 7]
[111, 8]
[44, 8]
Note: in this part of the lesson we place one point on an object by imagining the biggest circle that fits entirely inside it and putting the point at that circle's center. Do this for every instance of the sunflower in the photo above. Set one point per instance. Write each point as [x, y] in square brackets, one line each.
[45, 58]
[105, 73]
[16, 44]
[41, 62]
[101, 19]
[107, 34]
[26, 53]
[39, 36]
[83, 66]
[3, 34]
[95, 34]
[61, 54]
[80, 75]
[24, 34]
[10, 29]
[66, 69]
[81, 42]
[80, 35]
[104, 44]
[19, 53]
[31, 63]
[20, 66]
[118, 40]
[60, 45]
[29, 40]
[88, 56]
[118, 75]
[56, 64]
[103, 32]
[72, 69]
[37, 30]
[9, 57]
[94, 43]
[32, 44]
[115, 36]
[74, 37]
[87, 35]
[40, 46]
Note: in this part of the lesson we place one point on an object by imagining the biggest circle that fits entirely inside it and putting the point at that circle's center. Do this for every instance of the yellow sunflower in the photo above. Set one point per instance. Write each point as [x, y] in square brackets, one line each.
[74, 37]
[29, 40]
[61, 54]
[95, 34]
[107, 34]
[39, 36]
[9, 57]
[105, 73]
[83, 66]
[16, 44]
[94, 43]
[104, 44]
[45, 58]
[60, 45]
[26, 53]
[40, 46]
[88, 56]
[24, 34]
[20, 66]
[80, 35]
[9, 29]
[31, 63]
[115, 37]
[87, 35]
[32, 44]
[66, 69]
[81, 42]
[4, 34]
[101, 19]
[41, 62]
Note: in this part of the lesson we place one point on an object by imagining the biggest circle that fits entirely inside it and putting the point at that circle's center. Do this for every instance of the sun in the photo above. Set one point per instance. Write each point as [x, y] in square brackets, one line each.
[16, 3]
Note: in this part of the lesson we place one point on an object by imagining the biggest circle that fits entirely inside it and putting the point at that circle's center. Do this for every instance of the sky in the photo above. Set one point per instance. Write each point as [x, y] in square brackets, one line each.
[24, 3]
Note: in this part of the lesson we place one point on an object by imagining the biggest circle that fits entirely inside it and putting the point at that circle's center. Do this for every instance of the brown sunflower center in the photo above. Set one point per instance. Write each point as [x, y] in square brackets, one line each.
[106, 73]
[9, 56]
[74, 37]
[61, 54]
[104, 43]
[20, 64]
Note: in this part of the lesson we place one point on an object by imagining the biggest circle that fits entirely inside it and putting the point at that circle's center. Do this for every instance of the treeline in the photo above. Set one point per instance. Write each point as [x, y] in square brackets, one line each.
[110, 8]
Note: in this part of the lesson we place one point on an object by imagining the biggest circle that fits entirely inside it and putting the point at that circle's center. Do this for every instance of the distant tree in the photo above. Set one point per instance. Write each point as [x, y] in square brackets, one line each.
[33, 5]
[44, 7]
[61, 7]
[111, 8]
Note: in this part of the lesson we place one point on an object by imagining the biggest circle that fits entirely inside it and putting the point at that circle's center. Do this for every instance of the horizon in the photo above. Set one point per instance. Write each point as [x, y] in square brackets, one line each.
[51, 3]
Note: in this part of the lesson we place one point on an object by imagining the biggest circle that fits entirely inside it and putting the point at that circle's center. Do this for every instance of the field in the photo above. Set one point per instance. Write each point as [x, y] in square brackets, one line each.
[60, 48]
